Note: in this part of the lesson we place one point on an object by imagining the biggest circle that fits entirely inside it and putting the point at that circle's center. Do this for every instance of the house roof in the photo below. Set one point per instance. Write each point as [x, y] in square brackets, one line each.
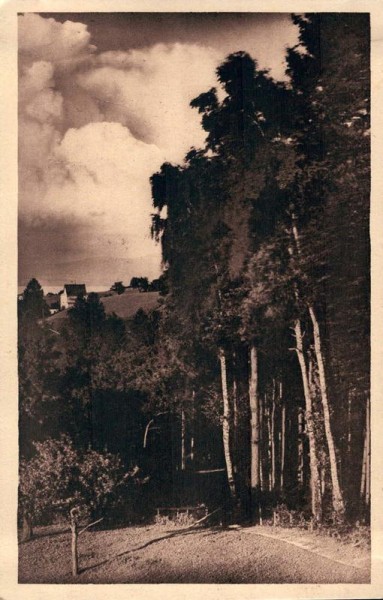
[75, 289]
[52, 299]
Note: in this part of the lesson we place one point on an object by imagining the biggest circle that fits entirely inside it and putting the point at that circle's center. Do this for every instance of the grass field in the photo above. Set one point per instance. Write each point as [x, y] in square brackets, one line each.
[127, 304]
[124, 305]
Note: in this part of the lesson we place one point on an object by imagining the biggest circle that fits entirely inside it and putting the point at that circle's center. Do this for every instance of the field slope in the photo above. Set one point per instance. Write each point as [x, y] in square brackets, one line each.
[125, 305]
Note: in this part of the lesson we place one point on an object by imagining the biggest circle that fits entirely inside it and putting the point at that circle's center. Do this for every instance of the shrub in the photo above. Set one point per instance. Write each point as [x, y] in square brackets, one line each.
[60, 477]
[180, 520]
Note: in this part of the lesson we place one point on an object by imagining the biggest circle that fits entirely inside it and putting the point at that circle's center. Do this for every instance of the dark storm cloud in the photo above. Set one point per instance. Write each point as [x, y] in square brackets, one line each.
[123, 31]
[260, 34]
[43, 242]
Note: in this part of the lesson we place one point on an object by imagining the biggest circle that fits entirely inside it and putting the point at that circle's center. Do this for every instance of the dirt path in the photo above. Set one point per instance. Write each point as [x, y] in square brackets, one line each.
[159, 555]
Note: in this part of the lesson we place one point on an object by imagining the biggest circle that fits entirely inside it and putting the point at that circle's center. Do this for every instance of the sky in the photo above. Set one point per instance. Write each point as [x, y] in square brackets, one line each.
[103, 102]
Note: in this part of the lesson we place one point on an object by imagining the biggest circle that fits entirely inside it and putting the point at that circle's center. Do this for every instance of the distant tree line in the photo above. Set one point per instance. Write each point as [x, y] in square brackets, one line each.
[142, 284]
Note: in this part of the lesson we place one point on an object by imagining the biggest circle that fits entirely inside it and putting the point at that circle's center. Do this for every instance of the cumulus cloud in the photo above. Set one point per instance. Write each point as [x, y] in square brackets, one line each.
[149, 90]
[41, 38]
[94, 127]
[107, 176]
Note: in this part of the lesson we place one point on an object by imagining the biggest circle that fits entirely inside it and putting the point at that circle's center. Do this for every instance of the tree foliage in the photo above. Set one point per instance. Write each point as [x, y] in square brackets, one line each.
[60, 477]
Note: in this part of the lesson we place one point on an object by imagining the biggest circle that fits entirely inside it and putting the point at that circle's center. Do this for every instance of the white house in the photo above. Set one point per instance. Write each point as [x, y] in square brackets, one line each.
[70, 293]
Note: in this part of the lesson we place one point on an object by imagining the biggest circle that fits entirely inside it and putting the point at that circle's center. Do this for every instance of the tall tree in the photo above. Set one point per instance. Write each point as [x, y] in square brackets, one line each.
[331, 207]
[32, 306]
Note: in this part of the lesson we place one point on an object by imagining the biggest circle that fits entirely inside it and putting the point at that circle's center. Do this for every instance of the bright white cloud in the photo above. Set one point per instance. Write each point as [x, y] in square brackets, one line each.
[107, 174]
[42, 39]
[91, 137]
[149, 90]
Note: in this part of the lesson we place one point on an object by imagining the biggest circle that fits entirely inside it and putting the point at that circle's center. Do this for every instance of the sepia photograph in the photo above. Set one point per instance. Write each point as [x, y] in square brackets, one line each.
[193, 303]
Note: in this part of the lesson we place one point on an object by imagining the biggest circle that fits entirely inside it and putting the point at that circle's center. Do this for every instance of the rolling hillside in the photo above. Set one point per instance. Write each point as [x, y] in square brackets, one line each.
[125, 305]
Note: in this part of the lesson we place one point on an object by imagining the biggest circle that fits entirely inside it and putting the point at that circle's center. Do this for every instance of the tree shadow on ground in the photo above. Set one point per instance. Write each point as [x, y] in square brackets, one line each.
[167, 536]
[44, 534]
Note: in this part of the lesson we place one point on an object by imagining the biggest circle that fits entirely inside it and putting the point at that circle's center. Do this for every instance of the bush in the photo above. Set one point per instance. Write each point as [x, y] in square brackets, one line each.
[60, 477]
[180, 520]
[285, 517]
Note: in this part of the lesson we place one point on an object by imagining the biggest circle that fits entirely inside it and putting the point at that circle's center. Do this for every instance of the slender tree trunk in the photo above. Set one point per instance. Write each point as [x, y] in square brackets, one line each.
[235, 396]
[226, 433]
[316, 500]
[365, 476]
[235, 404]
[283, 442]
[349, 413]
[364, 469]
[192, 428]
[183, 448]
[269, 455]
[235, 422]
[368, 454]
[337, 496]
[27, 530]
[254, 410]
[255, 467]
[73, 527]
[272, 438]
[261, 440]
[300, 449]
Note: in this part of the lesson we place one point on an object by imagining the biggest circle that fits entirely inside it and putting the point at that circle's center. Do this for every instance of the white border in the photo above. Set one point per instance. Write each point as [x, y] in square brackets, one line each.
[9, 588]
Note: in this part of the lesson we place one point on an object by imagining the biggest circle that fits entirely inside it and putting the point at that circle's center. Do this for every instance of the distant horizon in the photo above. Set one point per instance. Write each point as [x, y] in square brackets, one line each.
[49, 288]
[56, 288]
